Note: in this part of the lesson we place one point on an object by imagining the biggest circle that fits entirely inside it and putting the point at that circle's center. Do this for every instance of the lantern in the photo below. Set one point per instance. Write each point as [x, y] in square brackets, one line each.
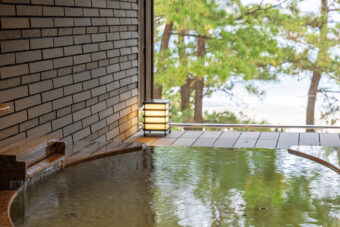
[156, 116]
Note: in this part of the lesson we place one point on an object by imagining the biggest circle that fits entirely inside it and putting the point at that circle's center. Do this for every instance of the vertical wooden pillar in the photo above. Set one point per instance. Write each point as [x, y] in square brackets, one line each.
[141, 29]
[149, 49]
[146, 50]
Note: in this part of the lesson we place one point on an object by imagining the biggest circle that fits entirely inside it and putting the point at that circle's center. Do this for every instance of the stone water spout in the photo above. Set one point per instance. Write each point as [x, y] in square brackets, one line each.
[4, 108]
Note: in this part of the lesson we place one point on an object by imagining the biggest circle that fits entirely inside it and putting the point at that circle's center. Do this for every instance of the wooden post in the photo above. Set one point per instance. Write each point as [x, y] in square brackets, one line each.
[146, 50]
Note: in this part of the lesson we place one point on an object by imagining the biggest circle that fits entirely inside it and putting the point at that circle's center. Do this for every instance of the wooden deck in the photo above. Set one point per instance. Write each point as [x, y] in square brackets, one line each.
[239, 139]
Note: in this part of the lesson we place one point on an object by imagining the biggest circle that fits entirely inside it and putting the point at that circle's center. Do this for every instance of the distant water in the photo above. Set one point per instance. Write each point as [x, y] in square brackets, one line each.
[284, 101]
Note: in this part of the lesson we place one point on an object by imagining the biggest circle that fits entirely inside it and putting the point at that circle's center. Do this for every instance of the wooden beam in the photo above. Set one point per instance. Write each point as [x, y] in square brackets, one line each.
[141, 29]
[146, 56]
[149, 59]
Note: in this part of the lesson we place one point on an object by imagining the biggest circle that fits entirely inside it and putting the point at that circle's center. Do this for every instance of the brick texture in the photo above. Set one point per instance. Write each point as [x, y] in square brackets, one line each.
[69, 67]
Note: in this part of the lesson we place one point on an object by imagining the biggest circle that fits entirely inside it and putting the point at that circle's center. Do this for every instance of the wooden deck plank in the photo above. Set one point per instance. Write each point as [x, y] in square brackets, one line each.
[163, 141]
[266, 143]
[210, 134]
[269, 136]
[224, 142]
[192, 134]
[230, 135]
[245, 143]
[147, 140]
[249, 136]
[204, 142]
[184, 142]
[287, 139]
[309, 138]
[175, 134]
[239, 139]
[329, 139]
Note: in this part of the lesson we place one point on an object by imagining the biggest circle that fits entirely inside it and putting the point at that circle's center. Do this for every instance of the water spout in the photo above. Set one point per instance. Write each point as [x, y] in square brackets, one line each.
[4, 108]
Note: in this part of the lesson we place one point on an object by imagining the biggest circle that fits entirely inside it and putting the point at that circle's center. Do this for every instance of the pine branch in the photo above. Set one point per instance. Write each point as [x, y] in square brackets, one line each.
[259, 8]
[191, 35]
[327, 91]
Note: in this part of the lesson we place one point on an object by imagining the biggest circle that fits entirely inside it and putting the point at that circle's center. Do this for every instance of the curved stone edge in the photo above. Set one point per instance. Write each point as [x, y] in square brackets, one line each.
[315, 159]
[6, 199]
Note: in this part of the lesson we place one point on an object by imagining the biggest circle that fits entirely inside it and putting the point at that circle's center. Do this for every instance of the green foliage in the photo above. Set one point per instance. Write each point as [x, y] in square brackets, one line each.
[250, 42]
[235, 44]
[314, 36]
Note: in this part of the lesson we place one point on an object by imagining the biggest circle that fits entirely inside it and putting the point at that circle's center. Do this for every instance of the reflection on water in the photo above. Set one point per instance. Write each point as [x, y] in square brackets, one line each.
[98, 193]
[211, 187]
[178, 186]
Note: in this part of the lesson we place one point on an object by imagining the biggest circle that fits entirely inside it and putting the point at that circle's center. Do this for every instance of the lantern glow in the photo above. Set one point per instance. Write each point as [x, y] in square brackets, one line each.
[157, 106]
[156, 113]
[156, 126]
[156, 119]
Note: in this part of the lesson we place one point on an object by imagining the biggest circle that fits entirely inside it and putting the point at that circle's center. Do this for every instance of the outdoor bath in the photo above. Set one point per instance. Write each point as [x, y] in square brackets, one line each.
[187, 186]
[247, 81]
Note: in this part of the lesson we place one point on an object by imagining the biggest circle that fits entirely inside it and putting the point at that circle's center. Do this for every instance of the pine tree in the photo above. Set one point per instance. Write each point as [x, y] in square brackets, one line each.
[316, 35]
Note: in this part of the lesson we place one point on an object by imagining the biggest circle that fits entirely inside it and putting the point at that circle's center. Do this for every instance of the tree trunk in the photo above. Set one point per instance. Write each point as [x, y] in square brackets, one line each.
[185, 101]
[186, 88]
[314, 85]
[185, 94]
[157, 93]
[313, 90]
[199, 83]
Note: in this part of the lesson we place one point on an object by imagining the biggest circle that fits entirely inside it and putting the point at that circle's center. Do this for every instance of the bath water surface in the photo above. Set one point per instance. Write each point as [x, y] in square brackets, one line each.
[187, 186]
